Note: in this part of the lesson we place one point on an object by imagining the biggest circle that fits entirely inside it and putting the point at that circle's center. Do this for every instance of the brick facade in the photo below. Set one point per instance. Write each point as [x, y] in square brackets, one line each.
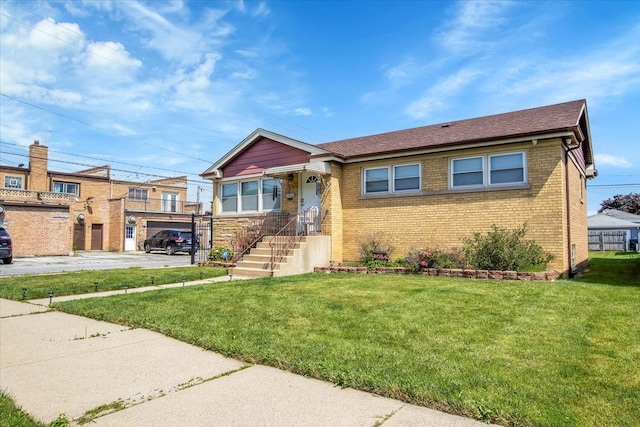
[441, 218]
[42, 222]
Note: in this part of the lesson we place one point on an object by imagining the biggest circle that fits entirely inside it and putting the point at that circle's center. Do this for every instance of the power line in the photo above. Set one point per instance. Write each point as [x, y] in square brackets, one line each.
[102, 129]
[97, 166]
[105, 160]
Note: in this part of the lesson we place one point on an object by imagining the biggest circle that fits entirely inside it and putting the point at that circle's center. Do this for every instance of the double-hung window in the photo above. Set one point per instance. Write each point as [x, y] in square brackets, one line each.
[506, 169]
[270, 194]
[230, 197]
[487, 171]
[251, 196]
[406, 177]
[376, 180]
[66, 188]
[392, 179]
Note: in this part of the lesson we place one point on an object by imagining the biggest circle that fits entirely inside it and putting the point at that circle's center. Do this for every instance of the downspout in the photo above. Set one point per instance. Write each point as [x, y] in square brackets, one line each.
[568, 204]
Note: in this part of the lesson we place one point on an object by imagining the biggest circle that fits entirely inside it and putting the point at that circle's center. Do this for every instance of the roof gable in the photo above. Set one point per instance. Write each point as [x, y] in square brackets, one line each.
[566, 117]
[275, 149]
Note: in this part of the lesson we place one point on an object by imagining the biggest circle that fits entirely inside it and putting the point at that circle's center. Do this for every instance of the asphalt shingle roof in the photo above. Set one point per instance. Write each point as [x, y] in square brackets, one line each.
[558, 117]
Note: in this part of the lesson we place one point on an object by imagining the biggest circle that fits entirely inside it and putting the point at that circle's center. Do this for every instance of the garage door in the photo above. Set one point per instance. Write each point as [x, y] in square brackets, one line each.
[154, 226]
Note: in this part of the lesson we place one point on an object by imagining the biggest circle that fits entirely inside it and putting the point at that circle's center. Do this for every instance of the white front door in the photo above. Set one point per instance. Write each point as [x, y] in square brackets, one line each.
[130, 238]
[310, 191]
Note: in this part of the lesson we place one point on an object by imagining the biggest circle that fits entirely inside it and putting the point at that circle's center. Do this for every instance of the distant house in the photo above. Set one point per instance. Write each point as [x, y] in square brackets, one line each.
[613, 230]
[51, 213]
[429, 186]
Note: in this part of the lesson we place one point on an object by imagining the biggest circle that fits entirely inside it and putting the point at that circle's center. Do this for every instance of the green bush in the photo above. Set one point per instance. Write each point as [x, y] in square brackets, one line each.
[374, 242]
[216, 254]
[502, 249]
[435, 258]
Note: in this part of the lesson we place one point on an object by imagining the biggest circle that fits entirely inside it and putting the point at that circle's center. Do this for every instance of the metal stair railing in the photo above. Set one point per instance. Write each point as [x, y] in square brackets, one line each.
[283, 241]
[248, 237]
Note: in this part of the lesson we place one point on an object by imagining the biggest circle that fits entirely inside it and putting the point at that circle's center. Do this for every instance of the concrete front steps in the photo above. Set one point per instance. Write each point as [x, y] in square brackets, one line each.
[309, 252]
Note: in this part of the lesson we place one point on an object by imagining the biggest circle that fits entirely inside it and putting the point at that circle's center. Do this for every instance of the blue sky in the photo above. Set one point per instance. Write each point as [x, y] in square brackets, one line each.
[165, 88]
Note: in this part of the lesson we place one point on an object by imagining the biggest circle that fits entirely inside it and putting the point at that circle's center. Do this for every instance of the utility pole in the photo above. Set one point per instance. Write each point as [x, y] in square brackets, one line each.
[198, 200]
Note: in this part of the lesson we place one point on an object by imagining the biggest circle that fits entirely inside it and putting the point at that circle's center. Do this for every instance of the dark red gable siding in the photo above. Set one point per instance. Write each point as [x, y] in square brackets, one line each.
[263, 154]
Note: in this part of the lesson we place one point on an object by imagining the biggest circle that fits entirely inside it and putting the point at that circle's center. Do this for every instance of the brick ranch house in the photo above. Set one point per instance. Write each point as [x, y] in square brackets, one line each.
[52, 213]
[428, 186]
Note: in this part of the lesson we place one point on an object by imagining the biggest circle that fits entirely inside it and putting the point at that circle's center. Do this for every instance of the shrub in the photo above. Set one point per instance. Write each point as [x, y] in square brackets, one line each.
[218, 253]
[502, 249]
[374, 242]
[435, 258]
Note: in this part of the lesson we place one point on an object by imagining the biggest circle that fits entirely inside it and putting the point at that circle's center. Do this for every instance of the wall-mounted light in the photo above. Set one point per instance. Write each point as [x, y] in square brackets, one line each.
[80, 218]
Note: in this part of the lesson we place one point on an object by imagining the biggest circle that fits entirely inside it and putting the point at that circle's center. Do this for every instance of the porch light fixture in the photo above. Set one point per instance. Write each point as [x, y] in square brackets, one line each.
[290, 178]
[80, 218]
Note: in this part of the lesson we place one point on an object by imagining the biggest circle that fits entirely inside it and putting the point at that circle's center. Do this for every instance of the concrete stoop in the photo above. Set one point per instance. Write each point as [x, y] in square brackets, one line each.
[309, 252]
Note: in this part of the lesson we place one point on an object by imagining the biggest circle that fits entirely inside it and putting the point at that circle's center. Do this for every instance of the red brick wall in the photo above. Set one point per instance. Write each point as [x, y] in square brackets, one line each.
[39, 230]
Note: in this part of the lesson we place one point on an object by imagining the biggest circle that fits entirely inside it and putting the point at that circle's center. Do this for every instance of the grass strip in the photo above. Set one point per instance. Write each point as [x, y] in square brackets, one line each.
[83, 282]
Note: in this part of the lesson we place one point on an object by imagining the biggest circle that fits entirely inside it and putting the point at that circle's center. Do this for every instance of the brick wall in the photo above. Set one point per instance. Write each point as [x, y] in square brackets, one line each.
[442, 218]
[38, 230]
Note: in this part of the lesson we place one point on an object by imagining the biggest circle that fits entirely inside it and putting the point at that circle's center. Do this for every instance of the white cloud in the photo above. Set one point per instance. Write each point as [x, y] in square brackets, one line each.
[473, 20]
[302, 111]
[438, 96]
[52, 37]
[111, 56]
[611, 160]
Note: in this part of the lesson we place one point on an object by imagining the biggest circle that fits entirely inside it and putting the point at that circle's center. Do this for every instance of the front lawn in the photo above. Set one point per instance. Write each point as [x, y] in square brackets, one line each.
[515, 353]
[84, 281]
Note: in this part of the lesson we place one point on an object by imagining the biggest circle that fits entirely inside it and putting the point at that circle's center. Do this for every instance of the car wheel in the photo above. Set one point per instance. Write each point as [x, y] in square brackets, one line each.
[170, 250]
[7, 260]
[147, 248]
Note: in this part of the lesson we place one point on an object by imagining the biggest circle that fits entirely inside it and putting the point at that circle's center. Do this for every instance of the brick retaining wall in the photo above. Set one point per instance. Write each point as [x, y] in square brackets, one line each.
[449, 272]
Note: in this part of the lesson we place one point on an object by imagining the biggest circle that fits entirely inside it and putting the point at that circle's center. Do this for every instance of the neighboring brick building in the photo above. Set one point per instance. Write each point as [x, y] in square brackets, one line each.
[53, 213]
[430, 186]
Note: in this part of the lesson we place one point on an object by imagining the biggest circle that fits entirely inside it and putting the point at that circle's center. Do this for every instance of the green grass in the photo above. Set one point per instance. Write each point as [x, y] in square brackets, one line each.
[11, 415]
[82, 282]
[563, 353]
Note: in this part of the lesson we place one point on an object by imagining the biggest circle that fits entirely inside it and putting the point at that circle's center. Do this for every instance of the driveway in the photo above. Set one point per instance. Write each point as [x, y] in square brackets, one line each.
[92, 261]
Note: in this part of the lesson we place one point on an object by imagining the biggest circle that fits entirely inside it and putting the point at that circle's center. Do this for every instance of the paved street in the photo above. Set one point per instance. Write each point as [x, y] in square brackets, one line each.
[92, 261]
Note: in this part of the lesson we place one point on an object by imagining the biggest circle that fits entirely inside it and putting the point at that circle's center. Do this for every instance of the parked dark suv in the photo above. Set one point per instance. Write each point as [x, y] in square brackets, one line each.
[170, 241]
[6, 250]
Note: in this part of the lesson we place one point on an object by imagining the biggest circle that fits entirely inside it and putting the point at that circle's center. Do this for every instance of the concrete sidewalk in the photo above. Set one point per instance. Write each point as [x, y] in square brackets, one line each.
[53, 363]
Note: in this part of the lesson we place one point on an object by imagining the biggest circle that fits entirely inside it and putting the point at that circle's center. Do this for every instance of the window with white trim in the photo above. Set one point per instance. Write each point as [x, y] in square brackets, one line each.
[489, 170]
[251, 196]
[66, 188]
[406, 177]
[12, 181]
[229, 197]
[392, 179]
[170, 202]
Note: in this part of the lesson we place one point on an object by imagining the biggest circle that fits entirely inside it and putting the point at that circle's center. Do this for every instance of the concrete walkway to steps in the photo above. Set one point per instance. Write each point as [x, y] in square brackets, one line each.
[53, 363]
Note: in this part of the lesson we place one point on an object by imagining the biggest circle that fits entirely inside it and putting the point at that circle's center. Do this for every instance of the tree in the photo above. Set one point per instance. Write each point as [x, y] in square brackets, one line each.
[626, 203]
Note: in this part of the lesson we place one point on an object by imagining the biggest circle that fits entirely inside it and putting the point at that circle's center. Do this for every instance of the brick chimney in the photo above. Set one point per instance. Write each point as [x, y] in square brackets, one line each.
[38, 159]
